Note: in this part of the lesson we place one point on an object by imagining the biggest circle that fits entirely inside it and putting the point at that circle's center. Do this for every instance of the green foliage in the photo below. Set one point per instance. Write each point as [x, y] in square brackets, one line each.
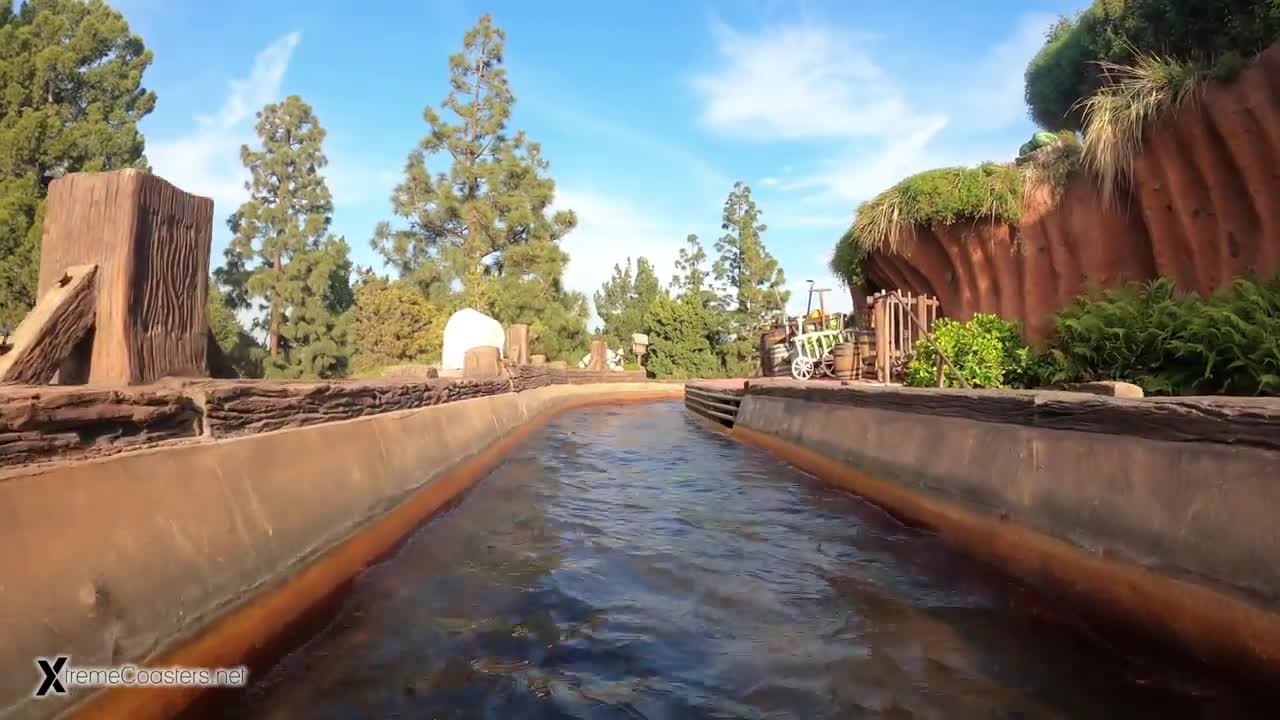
[847, 260]
[241, 352]
[1052, 166]
[466, 227]
[623, 302]
[752, 278]
[986, 351]
[683, 334]
[1173, 343]
[991, 192]
[1117, 32]
[71, 97]
[392, 323]
[281, 255]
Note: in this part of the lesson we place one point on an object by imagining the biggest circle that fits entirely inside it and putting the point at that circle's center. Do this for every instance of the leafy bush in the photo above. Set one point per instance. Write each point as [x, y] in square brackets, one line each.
[1200, 32]
[393, 325]
[991, 192]
[1173, 343]
[987, 351]
[683, 334]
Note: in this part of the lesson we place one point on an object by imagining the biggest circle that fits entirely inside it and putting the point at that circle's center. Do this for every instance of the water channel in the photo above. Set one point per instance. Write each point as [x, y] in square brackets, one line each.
[630, 562]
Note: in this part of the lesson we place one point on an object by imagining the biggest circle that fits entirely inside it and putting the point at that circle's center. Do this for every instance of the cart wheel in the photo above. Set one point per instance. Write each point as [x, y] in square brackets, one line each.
[802, 368]
[828, 365]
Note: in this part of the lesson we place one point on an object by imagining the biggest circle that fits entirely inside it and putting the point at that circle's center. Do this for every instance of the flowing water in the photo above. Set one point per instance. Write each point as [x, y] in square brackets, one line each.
[629, 562]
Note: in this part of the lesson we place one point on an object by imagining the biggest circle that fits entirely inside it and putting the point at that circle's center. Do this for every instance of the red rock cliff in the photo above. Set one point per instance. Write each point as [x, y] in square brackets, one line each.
[1205, 208]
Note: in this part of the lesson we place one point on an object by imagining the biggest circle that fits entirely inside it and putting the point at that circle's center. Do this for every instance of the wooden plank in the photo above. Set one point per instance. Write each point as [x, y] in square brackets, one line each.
[49, 333]
[713, 404]
[713, 413]
[518, 344]
[713, 395]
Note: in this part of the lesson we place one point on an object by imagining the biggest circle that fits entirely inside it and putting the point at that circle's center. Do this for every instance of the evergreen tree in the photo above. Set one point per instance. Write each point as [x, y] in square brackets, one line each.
[480, 235]
[681, 334]
[71, 97]
[751, 276]
[281, 255]
[393, 324]
[623, 302]
[241, 352]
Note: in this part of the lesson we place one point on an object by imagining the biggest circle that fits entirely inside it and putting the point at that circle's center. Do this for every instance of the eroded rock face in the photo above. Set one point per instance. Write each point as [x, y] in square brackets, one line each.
[1205, 209]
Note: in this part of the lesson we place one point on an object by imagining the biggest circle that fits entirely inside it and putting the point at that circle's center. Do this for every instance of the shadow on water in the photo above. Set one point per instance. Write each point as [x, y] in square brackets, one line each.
[629, 563]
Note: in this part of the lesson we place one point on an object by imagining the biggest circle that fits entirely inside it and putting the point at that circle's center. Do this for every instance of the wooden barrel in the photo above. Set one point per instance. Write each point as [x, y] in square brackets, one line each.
[779, 362]
[844, 355]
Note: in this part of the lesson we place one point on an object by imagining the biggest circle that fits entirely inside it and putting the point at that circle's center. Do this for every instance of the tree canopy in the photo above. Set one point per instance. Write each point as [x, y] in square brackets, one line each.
[624, 301]
[71, 97]
[751, 277]
[281, 256]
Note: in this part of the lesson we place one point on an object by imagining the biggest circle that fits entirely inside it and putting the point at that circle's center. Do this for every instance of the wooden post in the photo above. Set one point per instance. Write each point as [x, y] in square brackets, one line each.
[150, 242]
[518, 344]
[938, 376]
[483, 361]
[599, 355]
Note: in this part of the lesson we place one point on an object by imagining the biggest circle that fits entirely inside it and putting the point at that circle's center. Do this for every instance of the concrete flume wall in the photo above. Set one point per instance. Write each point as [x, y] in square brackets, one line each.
[1177, 539]
[194, 554]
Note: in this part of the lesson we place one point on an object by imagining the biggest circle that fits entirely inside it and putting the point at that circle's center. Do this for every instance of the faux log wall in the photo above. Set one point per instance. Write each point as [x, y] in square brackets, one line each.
[151, 244]
[1205, 209]
[39, 424]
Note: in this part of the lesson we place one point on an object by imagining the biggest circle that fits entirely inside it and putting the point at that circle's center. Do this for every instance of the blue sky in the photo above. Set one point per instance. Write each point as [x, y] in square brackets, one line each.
[648, 112]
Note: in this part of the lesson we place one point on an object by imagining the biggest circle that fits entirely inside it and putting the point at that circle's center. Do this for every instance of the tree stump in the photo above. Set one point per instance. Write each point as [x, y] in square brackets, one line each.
[483, 361]
[151, 243]
[537, 359]
[599, 356]
[518, 345]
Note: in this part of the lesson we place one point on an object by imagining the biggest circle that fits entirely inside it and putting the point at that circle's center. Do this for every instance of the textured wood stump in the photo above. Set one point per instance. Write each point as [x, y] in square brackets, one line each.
[484, 361]
[537, 359]
[50, 332]
[518, 344]
[599, 355]
[150, 242]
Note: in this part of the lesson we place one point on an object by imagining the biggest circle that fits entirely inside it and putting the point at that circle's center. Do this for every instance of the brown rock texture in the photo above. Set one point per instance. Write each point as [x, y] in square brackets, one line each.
[151, 243]
[42, 423]
[1205, 208]
[1252, 422]
[255, 406]
[51, 331]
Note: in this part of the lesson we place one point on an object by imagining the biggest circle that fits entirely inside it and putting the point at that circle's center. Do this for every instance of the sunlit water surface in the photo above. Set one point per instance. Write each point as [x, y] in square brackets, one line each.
[629, 562]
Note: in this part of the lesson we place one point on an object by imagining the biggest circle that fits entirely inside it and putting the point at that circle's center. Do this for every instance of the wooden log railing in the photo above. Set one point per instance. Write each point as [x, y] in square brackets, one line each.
[901, 322]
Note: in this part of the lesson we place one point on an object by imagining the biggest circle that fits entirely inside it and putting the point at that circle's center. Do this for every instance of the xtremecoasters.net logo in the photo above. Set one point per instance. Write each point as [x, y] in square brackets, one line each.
[59, 675]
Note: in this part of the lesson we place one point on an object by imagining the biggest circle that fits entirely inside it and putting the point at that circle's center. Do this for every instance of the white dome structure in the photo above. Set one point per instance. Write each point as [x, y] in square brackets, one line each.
[468, 329]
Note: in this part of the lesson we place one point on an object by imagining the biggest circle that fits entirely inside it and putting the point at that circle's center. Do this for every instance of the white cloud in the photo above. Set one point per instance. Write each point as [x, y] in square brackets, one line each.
[609, 231]
[206, 160]
[769, 182]
[800, 82]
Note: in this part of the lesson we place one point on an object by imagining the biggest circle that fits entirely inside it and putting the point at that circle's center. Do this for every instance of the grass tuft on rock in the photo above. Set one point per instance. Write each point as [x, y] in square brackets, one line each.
[991, 192]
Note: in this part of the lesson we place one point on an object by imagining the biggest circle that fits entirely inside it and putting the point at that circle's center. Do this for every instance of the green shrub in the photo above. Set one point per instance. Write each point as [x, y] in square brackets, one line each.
[1200, 32]
[987, 351]
[1173, 343]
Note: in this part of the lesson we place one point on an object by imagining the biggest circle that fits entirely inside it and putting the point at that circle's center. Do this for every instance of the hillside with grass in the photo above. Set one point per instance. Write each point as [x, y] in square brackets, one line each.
[1159, 160]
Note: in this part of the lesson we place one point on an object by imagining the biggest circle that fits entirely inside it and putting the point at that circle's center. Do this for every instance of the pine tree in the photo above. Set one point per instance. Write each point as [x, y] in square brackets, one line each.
[482, 228]
[239, 350]
[623, 302]
[71, 97]
[281, 254]
[393, 324]
[751, 276]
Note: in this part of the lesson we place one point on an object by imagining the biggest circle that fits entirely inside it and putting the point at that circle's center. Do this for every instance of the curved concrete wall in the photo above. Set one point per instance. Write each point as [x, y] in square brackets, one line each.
[156, 554]
[1178, 539]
